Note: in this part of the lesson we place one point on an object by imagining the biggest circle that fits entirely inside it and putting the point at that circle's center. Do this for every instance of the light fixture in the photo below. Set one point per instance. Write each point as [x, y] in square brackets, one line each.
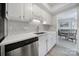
[44, 22]
[36, 21]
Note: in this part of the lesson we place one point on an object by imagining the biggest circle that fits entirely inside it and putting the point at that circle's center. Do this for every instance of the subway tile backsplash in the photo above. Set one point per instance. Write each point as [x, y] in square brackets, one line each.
[18, 27]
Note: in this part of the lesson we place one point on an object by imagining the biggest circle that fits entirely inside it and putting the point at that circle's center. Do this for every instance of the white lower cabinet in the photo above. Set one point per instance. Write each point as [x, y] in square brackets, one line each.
[51, 41]
[42, 46]
[46, 42]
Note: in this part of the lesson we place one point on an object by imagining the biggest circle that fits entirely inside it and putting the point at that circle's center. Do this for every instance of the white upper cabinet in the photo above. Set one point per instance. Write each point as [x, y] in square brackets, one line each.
[36, 10]
[27, 11]
[14, 11]
[41, 14]
[19, 11]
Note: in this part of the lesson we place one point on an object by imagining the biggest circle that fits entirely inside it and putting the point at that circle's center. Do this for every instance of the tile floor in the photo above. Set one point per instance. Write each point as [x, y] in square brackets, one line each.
[61, 51]
[63, 48]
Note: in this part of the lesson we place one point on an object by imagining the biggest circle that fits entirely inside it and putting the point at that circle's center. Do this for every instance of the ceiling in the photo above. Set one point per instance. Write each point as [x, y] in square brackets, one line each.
[52, 4]
[55, 8]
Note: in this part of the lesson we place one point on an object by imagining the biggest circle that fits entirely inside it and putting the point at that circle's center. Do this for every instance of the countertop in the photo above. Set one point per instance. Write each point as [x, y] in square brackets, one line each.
[17, 38]
[20, 37]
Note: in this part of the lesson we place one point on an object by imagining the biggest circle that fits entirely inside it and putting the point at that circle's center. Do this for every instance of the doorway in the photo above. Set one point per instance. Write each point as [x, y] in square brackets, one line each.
[67, 30]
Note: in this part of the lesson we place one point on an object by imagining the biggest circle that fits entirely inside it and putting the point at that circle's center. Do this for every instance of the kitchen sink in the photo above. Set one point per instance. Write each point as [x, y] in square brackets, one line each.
[40, 33]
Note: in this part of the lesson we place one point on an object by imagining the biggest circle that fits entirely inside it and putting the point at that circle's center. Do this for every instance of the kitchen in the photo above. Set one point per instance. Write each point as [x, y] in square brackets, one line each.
[31, 29]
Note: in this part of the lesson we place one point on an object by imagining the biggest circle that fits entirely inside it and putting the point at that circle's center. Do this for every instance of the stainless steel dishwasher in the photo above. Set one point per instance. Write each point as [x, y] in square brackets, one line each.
[28, 50]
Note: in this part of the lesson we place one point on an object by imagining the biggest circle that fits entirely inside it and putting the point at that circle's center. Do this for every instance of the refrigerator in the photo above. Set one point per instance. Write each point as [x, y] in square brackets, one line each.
[2, 21]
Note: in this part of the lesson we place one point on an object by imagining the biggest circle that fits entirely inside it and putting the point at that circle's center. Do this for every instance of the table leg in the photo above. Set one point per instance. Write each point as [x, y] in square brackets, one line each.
[2, 50]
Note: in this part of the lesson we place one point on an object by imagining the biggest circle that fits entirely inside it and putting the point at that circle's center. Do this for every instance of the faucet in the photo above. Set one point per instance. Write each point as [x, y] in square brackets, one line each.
[37, 29]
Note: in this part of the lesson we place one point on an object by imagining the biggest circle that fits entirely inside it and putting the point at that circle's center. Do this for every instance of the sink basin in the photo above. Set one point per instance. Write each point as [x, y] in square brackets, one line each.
[40, 33]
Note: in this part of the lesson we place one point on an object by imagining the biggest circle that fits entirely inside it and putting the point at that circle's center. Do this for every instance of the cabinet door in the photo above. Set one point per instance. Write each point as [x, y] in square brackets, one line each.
[27, 15]
[42, 46]
[14, 11]
[51, 41]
